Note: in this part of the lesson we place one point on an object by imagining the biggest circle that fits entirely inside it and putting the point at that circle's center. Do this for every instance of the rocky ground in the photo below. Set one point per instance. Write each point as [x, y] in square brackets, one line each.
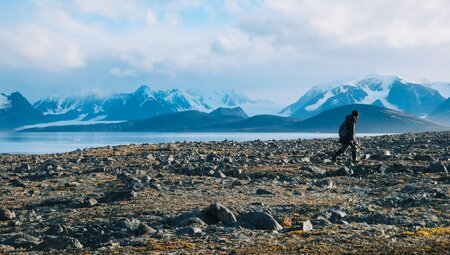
[260, 197]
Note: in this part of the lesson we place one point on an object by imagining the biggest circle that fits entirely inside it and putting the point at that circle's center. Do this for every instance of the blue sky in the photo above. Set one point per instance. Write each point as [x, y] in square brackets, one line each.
[265, 48]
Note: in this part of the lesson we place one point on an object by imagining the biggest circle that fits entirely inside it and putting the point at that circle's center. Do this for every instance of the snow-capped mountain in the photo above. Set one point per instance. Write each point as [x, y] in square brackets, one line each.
[388, 91]
[145, 103]
[213, 99]
[142, 103]
[15, 110]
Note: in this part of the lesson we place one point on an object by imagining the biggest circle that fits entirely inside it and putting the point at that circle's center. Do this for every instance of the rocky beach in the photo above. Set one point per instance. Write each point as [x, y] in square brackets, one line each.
[258, 197]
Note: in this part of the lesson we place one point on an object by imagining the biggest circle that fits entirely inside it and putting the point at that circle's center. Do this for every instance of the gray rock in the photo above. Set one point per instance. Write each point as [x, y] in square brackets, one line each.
[260, 220]
[144, 229]
[221, 213]
[60, 243]
[192, 221]
[325, 184]
[119, 196]
[315, 171]
[189, 231]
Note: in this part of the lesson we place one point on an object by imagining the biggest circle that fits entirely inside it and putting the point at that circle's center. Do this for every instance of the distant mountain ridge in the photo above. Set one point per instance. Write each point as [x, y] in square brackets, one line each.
[142, 103]
[387, 91]
[373, 119]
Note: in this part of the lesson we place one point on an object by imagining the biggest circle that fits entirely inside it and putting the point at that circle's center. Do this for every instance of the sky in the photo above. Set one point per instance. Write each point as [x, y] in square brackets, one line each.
[266, 49]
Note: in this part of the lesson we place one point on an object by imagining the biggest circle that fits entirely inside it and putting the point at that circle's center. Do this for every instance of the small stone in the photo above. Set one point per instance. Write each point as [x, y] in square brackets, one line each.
[91, 202]
[6, 214]
[263, 192]
[307, 225]
[190, 231]
[220, 174]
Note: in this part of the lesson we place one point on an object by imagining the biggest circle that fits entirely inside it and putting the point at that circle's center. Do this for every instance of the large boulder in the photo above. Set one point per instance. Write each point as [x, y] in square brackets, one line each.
[220, 213]
[260, 220]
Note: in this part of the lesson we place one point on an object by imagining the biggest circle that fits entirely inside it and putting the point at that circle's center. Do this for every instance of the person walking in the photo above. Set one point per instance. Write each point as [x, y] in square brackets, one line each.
[347, 136]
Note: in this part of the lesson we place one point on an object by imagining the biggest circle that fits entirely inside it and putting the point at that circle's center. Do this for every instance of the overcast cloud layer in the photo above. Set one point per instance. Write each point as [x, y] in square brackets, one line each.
[267, 49]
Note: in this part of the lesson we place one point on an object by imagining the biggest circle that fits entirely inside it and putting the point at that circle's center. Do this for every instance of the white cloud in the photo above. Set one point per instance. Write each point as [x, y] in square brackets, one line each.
[151, 18]
[401, 23]
[122, 72]
[109, 8]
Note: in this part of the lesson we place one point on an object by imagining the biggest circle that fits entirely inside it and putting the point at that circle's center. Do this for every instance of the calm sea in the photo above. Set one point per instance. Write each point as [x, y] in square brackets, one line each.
[41, 143]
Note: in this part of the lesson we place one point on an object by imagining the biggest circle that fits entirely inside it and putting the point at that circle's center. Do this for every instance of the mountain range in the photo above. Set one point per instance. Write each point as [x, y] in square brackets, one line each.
[387, 91]
[145, 103]
[373, 119]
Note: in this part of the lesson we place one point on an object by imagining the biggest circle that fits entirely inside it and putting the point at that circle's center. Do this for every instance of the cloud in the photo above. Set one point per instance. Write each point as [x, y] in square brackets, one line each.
[151, 18]
[399, 24]
[119, 72]
[293, 43]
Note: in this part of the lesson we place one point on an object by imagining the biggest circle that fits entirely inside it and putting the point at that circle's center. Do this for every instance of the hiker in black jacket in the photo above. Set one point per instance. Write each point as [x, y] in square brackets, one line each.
[347, 136]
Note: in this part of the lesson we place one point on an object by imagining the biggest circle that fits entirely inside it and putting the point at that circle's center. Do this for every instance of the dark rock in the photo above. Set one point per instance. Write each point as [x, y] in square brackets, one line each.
[343, 171]
[60, 243]
[264, 192]
[22, 240]
[437, 167]
[336, 215]
[260, 220]
[423, 157]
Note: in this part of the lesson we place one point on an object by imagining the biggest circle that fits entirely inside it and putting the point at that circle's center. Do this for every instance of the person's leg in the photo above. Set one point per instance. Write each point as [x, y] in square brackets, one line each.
[340, 151]
[354, 149]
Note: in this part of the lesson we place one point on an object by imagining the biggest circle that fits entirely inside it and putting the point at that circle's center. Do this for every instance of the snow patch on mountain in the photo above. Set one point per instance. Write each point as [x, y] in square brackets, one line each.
[313, 107]
[4, 102]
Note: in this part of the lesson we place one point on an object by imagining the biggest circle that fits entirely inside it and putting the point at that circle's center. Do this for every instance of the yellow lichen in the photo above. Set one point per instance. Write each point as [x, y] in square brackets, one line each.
[297, 232]
[165, 246]
[429, 231]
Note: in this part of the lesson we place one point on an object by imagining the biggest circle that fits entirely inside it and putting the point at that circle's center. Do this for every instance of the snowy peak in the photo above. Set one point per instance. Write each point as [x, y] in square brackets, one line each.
[388, 91]
[15, 110]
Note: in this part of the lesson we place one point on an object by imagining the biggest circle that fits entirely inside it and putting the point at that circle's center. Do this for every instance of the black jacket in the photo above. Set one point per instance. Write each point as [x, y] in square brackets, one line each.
[347, 129]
